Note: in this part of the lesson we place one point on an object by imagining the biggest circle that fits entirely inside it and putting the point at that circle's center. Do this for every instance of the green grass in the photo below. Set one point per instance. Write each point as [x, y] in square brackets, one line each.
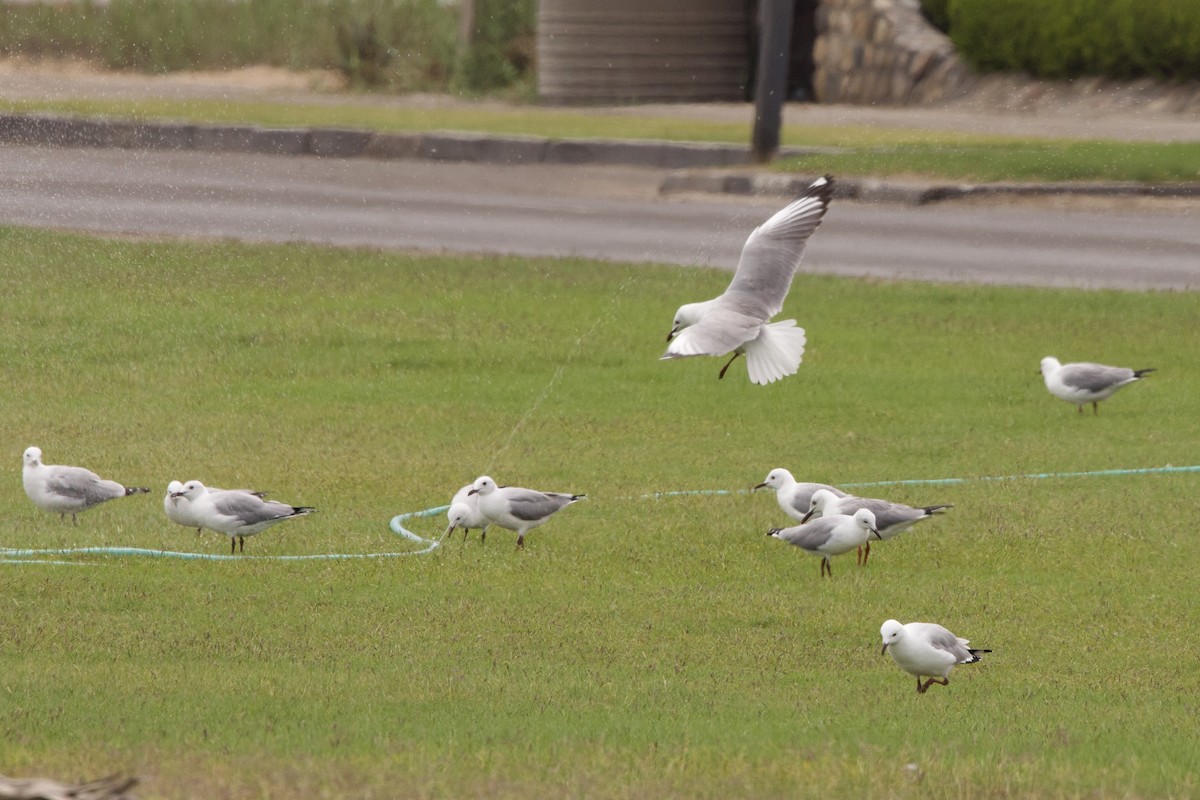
[638, 648]
[1051, 160]
[864, 150]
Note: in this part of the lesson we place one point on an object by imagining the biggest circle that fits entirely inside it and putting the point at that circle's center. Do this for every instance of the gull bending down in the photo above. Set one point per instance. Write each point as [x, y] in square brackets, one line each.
[794, 498]
[1085, 382]
[464, 513]
[926, 649]
[518, 509]
[738, 321]
[829, 536]
[237, 514]
[68, 490]
[891, 519]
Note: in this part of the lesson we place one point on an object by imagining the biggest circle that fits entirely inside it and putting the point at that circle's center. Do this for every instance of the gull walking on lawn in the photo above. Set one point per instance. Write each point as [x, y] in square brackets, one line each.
[237, 514]
[829, 536]
[738, 321]
[464, 513]
[926, 649]
[891, 519]
[518, 509]
[1085, 382]
[794, 498]
[68, 490]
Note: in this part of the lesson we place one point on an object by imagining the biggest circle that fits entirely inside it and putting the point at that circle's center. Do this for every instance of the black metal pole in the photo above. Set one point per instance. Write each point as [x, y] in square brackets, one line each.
[774, 48]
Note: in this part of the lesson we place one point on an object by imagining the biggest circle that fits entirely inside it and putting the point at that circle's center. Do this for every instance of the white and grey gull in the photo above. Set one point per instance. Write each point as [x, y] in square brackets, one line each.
[829, 536]
[738, 321]
[68, 490]
[1086, 382]
[891, 519]
[237, 514]
[518, 509]
[927, 650]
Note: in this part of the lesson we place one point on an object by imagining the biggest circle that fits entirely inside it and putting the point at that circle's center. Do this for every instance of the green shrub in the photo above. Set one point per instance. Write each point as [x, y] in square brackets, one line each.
[1072, 38]
[502, 46]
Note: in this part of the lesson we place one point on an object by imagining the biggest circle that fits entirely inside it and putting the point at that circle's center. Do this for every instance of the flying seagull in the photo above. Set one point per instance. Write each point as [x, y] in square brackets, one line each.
[738, 321]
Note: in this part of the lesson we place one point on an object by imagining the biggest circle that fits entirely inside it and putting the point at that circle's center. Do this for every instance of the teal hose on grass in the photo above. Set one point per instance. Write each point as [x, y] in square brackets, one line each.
[11, 555]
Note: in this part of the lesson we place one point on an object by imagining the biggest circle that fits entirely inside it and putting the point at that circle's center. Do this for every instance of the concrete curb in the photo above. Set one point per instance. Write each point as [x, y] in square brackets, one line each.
[874, 190]
[686, 157]
[67, 131]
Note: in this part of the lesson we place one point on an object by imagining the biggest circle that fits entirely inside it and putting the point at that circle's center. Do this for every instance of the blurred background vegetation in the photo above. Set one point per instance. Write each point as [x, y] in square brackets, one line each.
[1058, 39]
[414, 45]
[401, 45]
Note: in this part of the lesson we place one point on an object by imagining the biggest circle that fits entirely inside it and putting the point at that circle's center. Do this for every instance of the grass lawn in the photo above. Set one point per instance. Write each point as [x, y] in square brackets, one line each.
[638, 648]
[864, 150]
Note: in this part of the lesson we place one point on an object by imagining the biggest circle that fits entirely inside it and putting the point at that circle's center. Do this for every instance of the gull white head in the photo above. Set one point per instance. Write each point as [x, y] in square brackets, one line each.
[33, 456]
[687, 315]
[457, 514]
[192, 490]
[174, 491]
[776, 478]
[865, 518]
[820, 501]
[1050, 364]
[483, 486]
[890, 631]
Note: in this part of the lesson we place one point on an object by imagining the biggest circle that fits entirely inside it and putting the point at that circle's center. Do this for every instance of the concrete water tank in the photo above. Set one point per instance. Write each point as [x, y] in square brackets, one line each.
[618, 51]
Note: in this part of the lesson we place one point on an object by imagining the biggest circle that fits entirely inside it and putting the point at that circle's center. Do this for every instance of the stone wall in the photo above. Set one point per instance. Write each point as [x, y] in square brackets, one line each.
[883, 51]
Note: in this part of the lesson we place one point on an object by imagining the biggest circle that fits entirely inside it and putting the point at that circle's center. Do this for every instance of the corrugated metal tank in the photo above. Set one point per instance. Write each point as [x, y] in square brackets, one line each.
[616, 51]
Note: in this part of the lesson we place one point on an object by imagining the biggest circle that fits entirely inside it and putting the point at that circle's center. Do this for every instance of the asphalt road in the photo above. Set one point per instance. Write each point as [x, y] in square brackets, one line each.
[609, 213]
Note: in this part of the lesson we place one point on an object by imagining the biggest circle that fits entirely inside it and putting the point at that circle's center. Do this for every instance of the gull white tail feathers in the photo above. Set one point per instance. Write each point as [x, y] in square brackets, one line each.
[775, 353]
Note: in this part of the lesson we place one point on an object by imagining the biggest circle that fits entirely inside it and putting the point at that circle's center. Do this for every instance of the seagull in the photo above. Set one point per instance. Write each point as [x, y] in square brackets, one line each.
[518, 509]
[179, 508]
[737, 321]
[68, 490]
[891, 519]
[1086, 382]
[926, 649]
[830, 536]
[237, 514]
[464, 513]
[794, 498]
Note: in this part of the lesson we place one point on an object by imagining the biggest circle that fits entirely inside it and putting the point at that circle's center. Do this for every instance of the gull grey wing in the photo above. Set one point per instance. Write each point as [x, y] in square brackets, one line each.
[772, 252]
[721, 331]
[529, 505]
[248, 509]
[82, 484]
[1094, 377]
[942, 639]
[811, 535]
[802, 498]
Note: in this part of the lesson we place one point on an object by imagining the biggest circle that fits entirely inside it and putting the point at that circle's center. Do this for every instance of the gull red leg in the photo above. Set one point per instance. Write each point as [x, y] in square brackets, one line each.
[721, 374]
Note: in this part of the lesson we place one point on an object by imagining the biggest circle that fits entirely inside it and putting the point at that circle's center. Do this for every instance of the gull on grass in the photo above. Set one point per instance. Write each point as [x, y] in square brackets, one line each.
[68, 490]
[794, 498]
[927, 650]
[829, 536]
[237, 514]
[518, 509]
[891, 519]
[738, 321]
[179, 508]
[464, 513]
[1084, 382]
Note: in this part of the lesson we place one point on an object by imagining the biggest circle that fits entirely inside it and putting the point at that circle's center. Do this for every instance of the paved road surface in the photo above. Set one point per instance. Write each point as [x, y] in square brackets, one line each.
[608, 213]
